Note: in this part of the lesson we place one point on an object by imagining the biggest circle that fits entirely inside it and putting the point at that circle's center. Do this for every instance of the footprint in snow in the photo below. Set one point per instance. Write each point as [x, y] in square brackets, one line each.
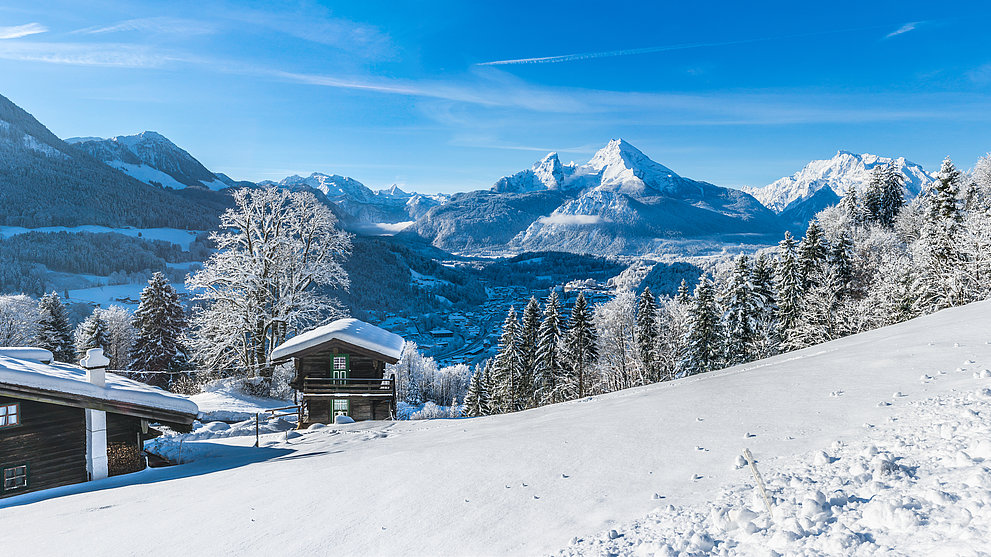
[926, 377]
[701, 449]
[657, 496]
[898, 394]
[696, 477]
[883, 403]
[748, 435]
[565, 476]
[836, 393]
[698, 419]
[968, 362]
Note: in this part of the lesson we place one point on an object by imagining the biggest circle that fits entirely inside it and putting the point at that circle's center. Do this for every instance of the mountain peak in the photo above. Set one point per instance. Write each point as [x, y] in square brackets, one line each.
[625, 169]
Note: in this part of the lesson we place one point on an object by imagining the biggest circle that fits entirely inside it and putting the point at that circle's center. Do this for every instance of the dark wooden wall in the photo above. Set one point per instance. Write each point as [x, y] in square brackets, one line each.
[319, 410]
[51, 440]
[318, 365]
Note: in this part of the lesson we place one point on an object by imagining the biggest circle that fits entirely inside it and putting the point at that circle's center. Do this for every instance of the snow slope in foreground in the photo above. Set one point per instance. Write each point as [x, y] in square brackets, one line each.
[529, 483]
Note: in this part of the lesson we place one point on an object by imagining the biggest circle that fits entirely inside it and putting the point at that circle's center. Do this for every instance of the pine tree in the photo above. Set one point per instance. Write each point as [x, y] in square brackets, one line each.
[821, 317]
[739, 315]
[682, 297]
[550, 365]
[489, 404]
[873, 198]
[703, 343]
[646, 335]
[851, 207]
[506, 369]
[91, 333]
[941, 279]
[788, 293]
[762, 279]
[54, 332]
[813, 253]
[892, 196]
[581, 351]
[475, 404]
[160, 322]
[841, 263]
[526, 389]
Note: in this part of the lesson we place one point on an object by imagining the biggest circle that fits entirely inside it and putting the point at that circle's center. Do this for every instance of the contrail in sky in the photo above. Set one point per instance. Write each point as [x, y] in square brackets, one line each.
[667, 48]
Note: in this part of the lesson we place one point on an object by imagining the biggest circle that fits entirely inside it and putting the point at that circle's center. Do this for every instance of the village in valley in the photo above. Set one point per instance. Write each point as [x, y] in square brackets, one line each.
[533, 338]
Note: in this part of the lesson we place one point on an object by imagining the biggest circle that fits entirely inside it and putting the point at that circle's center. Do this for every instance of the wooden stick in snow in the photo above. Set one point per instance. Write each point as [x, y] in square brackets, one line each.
[758, 479]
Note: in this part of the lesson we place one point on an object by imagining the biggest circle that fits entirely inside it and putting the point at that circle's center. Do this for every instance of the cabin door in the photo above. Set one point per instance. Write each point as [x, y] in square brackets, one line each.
[340, 370]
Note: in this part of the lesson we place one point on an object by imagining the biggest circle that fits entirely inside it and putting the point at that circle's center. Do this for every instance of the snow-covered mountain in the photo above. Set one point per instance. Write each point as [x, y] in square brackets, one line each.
[152, 158]
[45, 181]
[620, 201]
[360, 205]
[843, 172]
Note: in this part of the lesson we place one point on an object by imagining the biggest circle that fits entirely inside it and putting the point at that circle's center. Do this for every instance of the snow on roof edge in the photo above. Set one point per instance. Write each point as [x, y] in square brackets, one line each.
[350, 330]
[71, 379]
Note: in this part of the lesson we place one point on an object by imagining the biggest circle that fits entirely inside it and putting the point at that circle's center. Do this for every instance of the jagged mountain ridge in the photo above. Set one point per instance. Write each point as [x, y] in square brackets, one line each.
[619, 202]
[841, 173]
[45, 181]
[152, 158]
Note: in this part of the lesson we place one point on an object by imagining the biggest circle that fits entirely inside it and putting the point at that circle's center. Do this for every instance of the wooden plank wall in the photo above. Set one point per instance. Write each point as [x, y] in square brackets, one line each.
[51, 440]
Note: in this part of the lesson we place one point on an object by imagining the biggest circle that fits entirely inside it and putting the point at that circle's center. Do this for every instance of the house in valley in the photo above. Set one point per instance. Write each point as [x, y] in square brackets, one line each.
[62, 424]
[339, 369]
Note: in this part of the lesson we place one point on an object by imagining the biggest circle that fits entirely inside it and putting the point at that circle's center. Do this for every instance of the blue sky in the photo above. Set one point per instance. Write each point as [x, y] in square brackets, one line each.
[450, 96]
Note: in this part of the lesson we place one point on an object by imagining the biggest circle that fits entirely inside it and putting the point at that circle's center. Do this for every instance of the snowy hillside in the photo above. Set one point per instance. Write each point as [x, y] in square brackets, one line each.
[872, 444]
[151, 158]
[843, 172]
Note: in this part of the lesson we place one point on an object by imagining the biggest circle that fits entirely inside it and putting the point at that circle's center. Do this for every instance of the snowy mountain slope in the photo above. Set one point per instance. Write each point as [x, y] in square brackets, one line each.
[843, 172]
[619, 202]
[45, 181]
[151, 158]
[529, 482]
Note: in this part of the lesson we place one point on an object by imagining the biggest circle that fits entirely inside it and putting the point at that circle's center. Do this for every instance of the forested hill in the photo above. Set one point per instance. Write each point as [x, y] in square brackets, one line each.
[47, 182]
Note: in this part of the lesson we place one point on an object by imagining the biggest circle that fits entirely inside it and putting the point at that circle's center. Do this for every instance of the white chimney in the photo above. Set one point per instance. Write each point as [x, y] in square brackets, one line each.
[95, 364]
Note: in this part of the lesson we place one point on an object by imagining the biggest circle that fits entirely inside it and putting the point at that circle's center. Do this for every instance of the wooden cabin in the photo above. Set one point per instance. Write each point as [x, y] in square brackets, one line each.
[62, 424]
[340, 371]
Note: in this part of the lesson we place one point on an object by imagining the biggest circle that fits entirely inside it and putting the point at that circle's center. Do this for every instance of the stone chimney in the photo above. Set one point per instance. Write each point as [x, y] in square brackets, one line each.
[95, 364]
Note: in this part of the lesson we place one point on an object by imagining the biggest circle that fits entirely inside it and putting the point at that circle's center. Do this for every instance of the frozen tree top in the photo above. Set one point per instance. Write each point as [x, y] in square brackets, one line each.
[71, 379]
[348, 330]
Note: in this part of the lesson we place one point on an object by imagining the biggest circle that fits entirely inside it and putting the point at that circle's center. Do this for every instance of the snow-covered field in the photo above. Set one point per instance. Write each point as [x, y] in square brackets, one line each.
[174, 235]
[126, 295]
[872, 444]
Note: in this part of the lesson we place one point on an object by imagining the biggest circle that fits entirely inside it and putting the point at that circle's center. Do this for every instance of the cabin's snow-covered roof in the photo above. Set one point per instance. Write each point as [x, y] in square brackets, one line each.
[71, 379]
[348, 330]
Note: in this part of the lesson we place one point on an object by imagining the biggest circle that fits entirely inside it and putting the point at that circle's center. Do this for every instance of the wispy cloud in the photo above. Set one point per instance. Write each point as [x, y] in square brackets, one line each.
[86, 54]
[664, 48]
[156, 25]
[18, 31]
[910, 26]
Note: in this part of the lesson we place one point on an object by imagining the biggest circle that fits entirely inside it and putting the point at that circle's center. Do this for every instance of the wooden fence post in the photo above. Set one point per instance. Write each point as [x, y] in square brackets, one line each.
[758, 479]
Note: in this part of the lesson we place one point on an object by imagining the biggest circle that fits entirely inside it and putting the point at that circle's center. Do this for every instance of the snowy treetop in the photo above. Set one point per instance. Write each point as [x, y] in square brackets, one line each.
[352, 331]
[71, 379]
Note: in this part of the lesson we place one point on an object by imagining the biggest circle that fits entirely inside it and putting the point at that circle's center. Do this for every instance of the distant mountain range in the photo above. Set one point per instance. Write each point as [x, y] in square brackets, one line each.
[619, 202]
[822, 183]
[45, 181]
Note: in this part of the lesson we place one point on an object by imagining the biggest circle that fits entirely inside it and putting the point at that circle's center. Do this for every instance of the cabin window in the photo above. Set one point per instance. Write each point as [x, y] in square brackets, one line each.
[10, 415]
[15, 477]
[342, 407]
[339, 365]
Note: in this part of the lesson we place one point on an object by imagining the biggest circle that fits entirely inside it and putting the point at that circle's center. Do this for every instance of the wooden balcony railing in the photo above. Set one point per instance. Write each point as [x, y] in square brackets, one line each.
[350, 387]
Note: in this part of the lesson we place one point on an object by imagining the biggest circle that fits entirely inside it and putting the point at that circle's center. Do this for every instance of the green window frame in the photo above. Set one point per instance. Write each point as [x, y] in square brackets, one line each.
[10, 415]
[340, 366]
[15, 477]
[341, 406]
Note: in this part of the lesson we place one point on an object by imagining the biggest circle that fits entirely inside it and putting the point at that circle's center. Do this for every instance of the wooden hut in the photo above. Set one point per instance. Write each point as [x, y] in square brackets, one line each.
[62, 424]
[340, 371]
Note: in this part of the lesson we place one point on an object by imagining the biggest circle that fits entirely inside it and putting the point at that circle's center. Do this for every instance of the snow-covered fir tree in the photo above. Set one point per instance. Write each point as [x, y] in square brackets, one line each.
[647, 335]
[476, 401]
[941, 279]
[841, 263]
[160, 323]
[580, 351]
[490, 405]
[550, 365]
[526, 388]
[788, 293]
[91, 333]
[813, 253]
[120, 336]
[767, 331]
[54, 331]
[683, 293]
[703, 342]
[506, 369]
[740, 315]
